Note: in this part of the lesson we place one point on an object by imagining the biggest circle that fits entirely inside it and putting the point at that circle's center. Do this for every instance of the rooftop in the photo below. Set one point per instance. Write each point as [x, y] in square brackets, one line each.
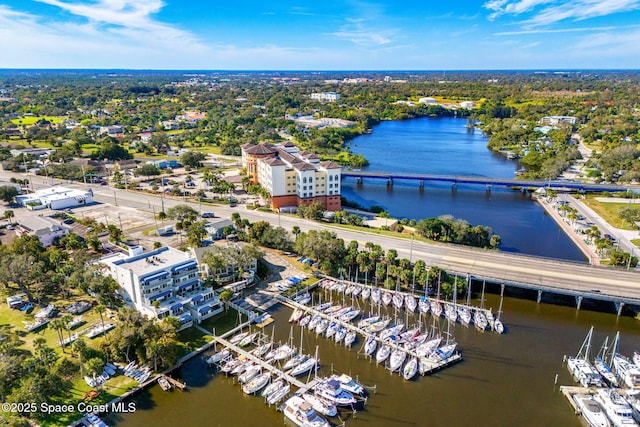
[149, 262]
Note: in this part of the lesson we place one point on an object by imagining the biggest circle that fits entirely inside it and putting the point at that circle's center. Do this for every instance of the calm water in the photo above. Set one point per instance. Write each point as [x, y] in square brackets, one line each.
[446, 147]
[503, 380]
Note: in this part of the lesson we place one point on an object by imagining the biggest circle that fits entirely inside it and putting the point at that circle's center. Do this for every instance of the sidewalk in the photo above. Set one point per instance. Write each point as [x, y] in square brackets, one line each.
[569, 231]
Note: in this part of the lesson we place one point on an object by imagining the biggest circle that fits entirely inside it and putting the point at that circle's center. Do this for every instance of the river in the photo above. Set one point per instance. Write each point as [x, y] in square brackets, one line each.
[504, 380]
[445, 146]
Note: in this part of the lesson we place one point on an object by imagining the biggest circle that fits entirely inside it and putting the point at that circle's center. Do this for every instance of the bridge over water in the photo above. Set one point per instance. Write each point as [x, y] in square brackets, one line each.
[390, 177]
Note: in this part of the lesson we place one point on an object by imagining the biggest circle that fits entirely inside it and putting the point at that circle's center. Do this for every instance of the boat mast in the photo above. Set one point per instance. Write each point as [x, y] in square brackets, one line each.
[584, 349]
[614, 349]
[501, 299]
[468, 290]
[482, 296]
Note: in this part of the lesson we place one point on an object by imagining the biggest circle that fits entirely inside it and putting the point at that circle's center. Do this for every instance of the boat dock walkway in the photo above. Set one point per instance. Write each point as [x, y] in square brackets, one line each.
[266, 365]
[429, 365]
[569, 392]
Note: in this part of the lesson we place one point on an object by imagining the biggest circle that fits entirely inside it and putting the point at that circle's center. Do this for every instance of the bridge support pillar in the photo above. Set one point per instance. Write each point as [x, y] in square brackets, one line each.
[389, 182]
[619, 306]
[539, 296]
[578, 302]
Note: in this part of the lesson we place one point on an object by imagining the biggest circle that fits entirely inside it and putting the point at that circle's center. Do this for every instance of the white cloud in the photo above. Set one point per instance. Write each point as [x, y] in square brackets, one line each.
[357, 32]
[547, 12]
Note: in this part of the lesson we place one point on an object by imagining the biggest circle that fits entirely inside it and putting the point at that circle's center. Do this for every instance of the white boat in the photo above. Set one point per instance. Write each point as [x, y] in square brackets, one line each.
[383, 353]
[331, 329]
[398, 301]
[605, 371]
[45, 312]
[410, 303]
[368, 321]
[283, 352]
[450, 312]
[410, 369]
[250, 373]
[304, 367]
[241, 367]
[350, 315]
[313, 323]
[257, 383]
[90, 382]
[387, 298]
[396, 360]
[349, 338]
[340, 334]
[334, 393]
[323, 307]
[366, 293]
[279, 394]
[591, 411]
[375, 296]
[480, 320]
[423, 305]
[357, 290]
[262, 350]
[370, 346]
[498, 327]
[322, 326]
[464, 314]
[248, 340]
[636, 358]
[628, 373]
[305, 321]
[294, 361]
[617, 409]
[32, 326]
[583, 372]
[347, 383]
[443, 353]
[70, 339]
[100, 329]
[272, 388]
[409, 335]
[302, 413]
[334, 309]
[303, 299]
[296, 315]
[164, 384]
[74, 322]
[392, 330]
[423, 350]
[349, 289]
[436, 308]
[238, 337]
[321, 405]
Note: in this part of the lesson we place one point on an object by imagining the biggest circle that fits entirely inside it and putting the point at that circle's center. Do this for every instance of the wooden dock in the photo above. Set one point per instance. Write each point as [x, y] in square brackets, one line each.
[174, 382]
[569, 392]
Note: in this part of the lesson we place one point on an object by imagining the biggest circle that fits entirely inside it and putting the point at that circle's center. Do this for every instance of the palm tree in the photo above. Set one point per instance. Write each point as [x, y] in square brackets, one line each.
[154, 350]
[79, 346]
[225, 297]
[295, 230]
[67, 319]
[101, 309]
[59, 325]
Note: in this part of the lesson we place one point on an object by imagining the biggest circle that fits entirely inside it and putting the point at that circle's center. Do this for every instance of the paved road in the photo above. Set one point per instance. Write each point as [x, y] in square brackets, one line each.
[501, 267]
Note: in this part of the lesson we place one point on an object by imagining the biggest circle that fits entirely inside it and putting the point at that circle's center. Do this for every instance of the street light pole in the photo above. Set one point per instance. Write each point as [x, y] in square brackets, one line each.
[411, 250]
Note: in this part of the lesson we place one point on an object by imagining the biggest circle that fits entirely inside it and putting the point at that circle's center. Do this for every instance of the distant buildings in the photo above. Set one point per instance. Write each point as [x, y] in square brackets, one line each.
[293, 177]
[468, 104]
[45, 229]
[325, 96]
[427, 100]
[557, 120]
[162, 283]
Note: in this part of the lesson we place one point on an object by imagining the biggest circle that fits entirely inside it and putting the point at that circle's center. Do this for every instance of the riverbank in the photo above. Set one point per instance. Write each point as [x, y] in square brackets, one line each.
[570, 232]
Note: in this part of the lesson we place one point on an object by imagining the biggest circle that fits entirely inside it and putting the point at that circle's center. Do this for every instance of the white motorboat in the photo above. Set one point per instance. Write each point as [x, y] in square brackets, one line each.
[583, 372]
[164, 384]
[591, 411]
[387, 298]
[321, 405]
[340, 334]
[45, 312]
[279, 394]
[241, 367]
[410, 303]
[347, 383]
[90, 382]
[366, 293]
[302, 413]
[248, 340]
[334, 393]
[368, 321]
[627, 371]
[230, 365]
[303, 299]
[100, 329]
[370, 346]
[257, 383]
[443, 353]
[74, 322]
[617, 409]
[396, 360]
[272, 388]
[410, 369]
[238, 337]
[304, 367]
[383, 353]
[349, 338]
[423, 305]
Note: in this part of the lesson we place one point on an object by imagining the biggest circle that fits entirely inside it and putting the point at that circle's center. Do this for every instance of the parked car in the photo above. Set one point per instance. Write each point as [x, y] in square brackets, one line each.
[208, 215]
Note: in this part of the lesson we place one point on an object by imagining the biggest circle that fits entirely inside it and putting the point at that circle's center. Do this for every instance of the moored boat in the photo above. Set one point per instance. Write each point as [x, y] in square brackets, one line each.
[423, 305]
[410, 303]
[304, 367]
[257, 383]
[321, 405]
[410, 369]
[383, 353]
[617, 409]
[279, 394]
[396, 360]
[300, 412]
[370, 346]
[591, 410]
[349, 338]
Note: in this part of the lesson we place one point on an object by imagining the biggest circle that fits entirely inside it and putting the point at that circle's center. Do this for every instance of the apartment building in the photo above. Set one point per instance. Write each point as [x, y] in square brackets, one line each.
[293, 177]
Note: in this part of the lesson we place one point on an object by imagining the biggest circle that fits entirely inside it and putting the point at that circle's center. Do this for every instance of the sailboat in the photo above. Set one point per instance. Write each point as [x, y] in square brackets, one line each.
[436, 307]
[410, 369]
[602, 366]
[479, 319]
[370, 345]
[498, 327]
[579, 366]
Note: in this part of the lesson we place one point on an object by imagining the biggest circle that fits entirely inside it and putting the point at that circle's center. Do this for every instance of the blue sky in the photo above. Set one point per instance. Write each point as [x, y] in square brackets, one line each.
[320, 35]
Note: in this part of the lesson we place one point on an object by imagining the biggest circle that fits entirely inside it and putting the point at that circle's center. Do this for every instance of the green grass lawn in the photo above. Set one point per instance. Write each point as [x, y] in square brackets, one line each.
[30, 120]
[636, 242]
[609, 211]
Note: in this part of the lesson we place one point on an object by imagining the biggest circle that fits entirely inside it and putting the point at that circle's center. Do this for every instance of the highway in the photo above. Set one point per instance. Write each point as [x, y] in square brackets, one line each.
[526, 271]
